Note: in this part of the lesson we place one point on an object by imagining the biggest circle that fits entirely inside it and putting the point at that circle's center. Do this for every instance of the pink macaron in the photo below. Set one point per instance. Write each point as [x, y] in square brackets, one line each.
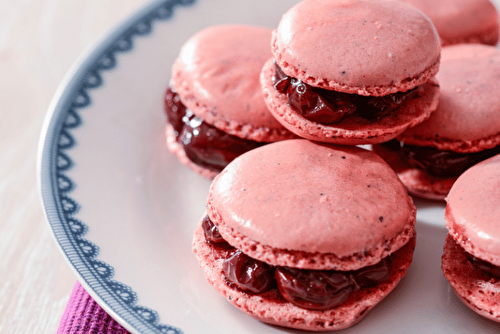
[305, 235]
[471, 257]
[214, 105]
[462, 21]
[464, 129]
[352, 71]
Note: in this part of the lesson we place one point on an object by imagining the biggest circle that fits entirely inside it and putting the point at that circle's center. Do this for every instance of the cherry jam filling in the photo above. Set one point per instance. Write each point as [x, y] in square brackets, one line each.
[211, 232]
[248, 274]
[321, 290]
[204, 144]
[484, 266]
[308, 289]
[331, 107]
[439, 163]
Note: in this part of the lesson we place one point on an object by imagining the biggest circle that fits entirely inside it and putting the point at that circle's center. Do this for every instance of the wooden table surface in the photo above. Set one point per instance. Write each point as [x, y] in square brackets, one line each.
[39, 41]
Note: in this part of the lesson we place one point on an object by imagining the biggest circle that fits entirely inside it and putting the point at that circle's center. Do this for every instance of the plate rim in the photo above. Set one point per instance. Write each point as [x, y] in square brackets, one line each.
[53, 161]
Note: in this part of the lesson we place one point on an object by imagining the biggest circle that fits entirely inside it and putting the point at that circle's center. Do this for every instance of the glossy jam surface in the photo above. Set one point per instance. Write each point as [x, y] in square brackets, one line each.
[331, 107]
[204, 144]
[308, 289]
[211, 232]
[248, 274]
[314, 290]
[439, 163]
[325, 289]
[175, 111]
[371, 276]
[484, 266]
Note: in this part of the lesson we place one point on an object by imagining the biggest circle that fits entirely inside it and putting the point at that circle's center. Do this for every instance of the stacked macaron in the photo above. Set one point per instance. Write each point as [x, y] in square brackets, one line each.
[312, 233]
[306, 235]
[464, 130]
[214, 105]
[352, 72]
[471, 256]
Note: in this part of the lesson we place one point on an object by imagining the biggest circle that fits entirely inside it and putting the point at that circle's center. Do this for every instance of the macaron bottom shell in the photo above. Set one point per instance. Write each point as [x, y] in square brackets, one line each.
[353, 130]
[421, 184]
[271, 308]
[417, 181]
[477, 290]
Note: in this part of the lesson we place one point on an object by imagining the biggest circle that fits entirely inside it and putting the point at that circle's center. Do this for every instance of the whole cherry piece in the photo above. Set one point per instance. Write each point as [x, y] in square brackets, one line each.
[374, 275]
[211, 231]
[314, 290]
[203, 144]
[315, 107]
[175, 110]
[210, 147]
[307, 101]
[248, 274]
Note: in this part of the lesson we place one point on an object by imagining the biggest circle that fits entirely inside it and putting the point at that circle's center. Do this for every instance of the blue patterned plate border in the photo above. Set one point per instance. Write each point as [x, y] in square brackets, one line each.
[423, 294]
[54, 161]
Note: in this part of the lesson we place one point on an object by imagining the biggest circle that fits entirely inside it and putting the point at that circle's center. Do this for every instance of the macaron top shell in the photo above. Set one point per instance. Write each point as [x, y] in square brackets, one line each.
[217, 76]
[363, 47]
[301, 196]
[473, 210]
[467, 118]
[457, 20]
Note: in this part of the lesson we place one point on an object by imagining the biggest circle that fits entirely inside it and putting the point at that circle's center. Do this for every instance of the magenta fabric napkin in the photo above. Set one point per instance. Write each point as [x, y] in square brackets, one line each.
[83, 315]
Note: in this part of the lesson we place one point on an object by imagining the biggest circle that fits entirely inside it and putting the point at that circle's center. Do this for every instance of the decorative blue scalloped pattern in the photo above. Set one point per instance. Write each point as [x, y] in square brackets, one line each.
[81, 252]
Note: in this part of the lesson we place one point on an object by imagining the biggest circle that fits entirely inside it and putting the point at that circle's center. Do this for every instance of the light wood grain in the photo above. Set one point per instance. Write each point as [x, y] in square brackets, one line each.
[39, 41]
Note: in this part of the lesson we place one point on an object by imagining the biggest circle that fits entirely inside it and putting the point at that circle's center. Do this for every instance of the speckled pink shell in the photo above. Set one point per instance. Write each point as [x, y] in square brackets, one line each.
[462, 21]
[353, 130]
[271, 308]
[362, 47]
[302, 204]
[473, 210]
[468, 115]
[217, 76]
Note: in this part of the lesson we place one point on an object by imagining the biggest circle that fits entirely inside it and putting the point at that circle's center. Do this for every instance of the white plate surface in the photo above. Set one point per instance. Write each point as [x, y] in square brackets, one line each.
[123, 210]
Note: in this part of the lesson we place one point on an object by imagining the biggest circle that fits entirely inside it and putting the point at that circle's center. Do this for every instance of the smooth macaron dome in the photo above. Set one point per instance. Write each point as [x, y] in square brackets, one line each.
[307, 206]
[214, 105]
[462, 21]
[373, 51]
[471, 257]
[464, 129]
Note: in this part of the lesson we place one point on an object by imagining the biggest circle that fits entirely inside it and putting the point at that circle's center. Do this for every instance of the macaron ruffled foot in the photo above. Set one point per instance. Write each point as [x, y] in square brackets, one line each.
[305, 235]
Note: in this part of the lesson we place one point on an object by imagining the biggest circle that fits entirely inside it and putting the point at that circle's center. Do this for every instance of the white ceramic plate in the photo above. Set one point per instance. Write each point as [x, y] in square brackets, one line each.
[123, 210]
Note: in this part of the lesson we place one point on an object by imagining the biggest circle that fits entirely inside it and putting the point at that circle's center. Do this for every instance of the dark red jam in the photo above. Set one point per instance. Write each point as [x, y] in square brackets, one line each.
[308, 289]
[484, 266]
[314, 290]
[204, 144]
[436, 162]
[211, 231]
[330, 107]
[249, 274]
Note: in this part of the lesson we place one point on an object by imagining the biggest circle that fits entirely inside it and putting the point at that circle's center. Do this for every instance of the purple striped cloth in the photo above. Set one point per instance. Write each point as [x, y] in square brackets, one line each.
[83, 315]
